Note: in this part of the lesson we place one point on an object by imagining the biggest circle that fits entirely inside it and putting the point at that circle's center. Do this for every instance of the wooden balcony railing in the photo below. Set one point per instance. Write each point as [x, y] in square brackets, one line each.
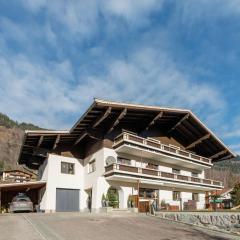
[137, 171]
[162, 148]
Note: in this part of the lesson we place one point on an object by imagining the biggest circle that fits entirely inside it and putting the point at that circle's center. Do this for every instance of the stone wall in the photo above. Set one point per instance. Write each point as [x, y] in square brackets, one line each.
[227, 221]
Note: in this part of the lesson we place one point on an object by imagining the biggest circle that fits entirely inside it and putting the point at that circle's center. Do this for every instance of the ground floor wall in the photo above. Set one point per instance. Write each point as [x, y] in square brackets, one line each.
[127, 189]
[55, 179]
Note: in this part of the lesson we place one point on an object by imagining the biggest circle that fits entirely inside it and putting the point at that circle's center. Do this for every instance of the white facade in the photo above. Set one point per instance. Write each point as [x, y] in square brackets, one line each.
[96, 183]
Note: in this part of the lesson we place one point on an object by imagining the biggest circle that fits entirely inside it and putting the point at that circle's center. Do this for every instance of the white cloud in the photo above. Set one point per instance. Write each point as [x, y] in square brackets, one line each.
[46, 94]
[81, 17]
[133, 11]
[43, 93]
[191, 11]
[235, 148]
[35, 93]
[232, 130]
[150, 77]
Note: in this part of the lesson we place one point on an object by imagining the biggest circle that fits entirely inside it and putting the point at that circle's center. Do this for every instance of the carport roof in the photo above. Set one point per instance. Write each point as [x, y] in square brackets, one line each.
[21, 185]
[104, 116]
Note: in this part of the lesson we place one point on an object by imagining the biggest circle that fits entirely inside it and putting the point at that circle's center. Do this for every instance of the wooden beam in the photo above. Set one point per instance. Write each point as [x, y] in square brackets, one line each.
[84, 134]
[119, 117]
[158, 116]
[225, 158]
[198, 141]
[219, 154]
[40, 141]
[179, 122]
[102, 117]
[98, 121]
[56, 141]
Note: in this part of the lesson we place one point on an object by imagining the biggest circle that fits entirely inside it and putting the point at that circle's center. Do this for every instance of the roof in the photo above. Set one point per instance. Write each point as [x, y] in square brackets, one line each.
[103, 116]
[21, 185]
[16, 170]
[224, 191]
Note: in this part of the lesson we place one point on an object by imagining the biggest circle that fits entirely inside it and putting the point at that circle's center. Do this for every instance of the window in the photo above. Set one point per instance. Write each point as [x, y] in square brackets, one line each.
[194, 174]
[92, 166]
[123, 161]
[147, 193]
[176, 195]
[195, 197]
[67, 168]
[176, 171]
[152, 166]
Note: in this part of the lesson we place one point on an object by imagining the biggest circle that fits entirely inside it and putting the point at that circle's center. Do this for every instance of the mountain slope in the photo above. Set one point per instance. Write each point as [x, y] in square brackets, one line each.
[11, 137]
[227, 171]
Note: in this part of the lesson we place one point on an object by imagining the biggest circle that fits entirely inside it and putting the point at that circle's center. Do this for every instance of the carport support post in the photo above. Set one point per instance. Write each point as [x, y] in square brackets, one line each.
[0, 199]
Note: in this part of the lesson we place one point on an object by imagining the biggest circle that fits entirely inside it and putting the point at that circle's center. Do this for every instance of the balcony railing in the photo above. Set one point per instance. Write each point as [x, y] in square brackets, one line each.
[155, 145]
[159, 175]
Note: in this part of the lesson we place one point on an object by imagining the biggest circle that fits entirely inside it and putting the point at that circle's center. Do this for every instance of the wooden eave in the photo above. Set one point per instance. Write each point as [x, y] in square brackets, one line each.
[104, 116]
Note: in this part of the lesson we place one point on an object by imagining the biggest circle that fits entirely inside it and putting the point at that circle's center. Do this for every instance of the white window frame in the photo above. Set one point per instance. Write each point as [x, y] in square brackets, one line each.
[179, 196]
[124, 161]
[197, 196]
[178, 171]
[195, 174]
[90, 164]
[68, 163]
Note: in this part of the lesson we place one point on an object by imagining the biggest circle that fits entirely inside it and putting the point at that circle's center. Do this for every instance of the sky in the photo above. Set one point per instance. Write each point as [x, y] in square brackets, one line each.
[56, 56]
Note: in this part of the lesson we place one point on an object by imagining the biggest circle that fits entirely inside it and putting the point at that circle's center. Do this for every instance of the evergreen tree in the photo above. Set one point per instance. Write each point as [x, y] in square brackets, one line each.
[236, 194]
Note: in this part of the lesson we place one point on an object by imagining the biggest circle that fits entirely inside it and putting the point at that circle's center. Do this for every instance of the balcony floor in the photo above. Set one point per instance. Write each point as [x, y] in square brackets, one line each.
[148, 182]
[132, 150]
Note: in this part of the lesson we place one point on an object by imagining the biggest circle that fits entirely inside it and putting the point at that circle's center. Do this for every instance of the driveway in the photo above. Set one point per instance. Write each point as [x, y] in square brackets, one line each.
[99, 227]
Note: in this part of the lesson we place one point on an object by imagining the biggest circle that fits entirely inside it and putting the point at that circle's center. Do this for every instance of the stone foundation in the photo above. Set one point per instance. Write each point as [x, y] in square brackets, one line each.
[227, 221]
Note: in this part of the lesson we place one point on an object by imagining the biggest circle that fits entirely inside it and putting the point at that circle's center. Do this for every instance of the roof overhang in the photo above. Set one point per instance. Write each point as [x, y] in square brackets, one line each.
[21, 185]
[103, 116]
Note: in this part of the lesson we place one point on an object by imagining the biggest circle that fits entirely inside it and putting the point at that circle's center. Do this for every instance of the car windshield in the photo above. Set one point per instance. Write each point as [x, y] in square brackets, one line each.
[21, 198]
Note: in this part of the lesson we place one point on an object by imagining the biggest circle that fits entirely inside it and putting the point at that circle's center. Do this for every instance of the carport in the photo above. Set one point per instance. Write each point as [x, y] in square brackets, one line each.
[34, 190]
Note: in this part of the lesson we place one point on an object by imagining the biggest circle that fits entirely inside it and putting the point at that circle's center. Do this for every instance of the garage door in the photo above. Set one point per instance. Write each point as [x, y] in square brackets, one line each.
[67, 200]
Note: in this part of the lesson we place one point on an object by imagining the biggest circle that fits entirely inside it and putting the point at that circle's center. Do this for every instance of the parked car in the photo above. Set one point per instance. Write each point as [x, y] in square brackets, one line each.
[21, 203]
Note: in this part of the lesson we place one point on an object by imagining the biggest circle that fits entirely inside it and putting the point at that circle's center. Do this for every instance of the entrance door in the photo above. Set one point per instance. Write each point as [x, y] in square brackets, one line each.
[67, 200]
[147, 195]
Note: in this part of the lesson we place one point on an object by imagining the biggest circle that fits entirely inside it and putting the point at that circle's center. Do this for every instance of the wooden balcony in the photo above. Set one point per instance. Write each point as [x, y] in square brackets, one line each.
[153, 149]
[146, 173]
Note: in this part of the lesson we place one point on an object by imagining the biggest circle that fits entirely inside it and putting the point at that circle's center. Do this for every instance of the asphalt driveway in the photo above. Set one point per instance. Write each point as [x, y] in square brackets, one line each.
[99, 227]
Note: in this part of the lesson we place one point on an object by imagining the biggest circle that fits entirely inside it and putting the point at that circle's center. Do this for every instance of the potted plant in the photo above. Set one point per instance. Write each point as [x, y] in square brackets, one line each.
[113, 199]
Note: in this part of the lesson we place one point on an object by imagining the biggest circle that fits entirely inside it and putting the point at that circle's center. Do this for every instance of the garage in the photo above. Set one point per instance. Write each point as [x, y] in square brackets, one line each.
[34, 190]
[67, 200]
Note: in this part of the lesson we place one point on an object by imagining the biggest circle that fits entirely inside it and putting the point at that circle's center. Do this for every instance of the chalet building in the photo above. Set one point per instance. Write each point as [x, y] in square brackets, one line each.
[17, 176]
[139, 153]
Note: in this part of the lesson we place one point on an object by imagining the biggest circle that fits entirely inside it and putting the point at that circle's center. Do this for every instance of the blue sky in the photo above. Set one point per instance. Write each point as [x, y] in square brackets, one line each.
[55, 57]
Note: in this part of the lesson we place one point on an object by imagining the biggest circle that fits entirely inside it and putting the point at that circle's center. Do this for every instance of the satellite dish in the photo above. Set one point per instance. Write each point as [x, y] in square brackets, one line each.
[110, 160]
